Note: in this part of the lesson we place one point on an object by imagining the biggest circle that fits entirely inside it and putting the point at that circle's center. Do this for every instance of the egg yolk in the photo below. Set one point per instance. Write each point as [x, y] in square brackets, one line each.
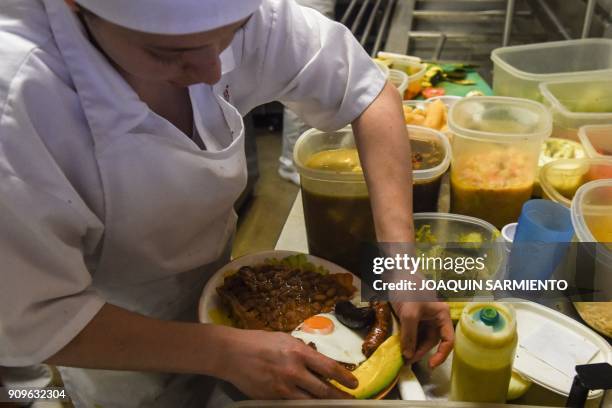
[318, 325]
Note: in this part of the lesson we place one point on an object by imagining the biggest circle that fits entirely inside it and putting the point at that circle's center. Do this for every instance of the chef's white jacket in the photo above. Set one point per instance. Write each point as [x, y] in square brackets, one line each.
[102, 200]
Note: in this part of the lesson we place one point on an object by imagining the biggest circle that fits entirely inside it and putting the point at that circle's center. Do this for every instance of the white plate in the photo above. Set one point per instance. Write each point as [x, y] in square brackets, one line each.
[210, 299]
[530, 317]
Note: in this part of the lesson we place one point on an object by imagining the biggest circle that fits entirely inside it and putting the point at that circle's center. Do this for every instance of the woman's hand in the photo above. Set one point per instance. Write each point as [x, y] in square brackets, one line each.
[273, 365]
[422, 326]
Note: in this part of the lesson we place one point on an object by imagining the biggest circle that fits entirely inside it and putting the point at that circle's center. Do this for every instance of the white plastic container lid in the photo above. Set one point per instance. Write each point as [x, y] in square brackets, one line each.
[531, 318]
[401, 58]
[399, 79]
[478, 117]
[596, 140]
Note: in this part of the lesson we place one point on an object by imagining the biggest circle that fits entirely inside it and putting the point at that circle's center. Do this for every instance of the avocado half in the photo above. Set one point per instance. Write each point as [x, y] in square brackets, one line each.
[378, 371]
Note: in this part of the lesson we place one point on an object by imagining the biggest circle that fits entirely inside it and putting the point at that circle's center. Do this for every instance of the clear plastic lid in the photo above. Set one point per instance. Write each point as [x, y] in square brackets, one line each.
[425, 141]
[499, 119]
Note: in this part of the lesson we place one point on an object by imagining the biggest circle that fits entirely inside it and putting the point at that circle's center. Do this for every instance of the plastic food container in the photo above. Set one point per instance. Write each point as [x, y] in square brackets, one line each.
[518, 70]
[431, 157]
[460, 235]
[496, 145]
[411, 66]
[337, 210]
[481, 238]
[399, 79]
[574, 103]
[592, 219]
[555, 148]
[596, 139]
[560, 179]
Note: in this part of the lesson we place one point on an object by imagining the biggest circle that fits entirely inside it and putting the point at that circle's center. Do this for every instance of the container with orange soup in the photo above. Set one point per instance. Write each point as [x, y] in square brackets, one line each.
[496, 145]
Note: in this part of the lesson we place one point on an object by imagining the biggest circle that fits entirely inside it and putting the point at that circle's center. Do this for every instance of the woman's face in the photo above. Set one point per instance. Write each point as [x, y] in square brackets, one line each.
[182, 60]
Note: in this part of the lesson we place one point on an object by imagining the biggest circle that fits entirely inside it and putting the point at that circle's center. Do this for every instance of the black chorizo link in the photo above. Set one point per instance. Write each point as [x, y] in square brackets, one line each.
[380, 329]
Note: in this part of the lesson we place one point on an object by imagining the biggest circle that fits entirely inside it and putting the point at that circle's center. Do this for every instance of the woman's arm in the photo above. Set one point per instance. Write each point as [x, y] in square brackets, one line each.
[117, 339]
[263, 365]
[384, 150]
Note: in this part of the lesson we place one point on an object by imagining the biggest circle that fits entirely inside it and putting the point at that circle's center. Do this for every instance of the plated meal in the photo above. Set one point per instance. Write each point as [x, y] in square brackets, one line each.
[314, 301]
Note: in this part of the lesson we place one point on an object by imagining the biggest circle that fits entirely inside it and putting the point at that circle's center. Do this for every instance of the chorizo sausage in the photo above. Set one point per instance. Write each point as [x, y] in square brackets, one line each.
[380, 329]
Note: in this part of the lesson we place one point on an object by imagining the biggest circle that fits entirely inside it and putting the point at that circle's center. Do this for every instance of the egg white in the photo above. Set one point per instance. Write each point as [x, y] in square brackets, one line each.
[342, 344]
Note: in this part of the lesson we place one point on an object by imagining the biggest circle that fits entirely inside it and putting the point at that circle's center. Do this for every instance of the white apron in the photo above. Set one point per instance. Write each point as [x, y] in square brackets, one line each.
[168, 208]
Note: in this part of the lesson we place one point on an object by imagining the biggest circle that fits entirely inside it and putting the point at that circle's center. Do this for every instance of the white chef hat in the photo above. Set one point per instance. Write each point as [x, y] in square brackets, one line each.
[171, 16]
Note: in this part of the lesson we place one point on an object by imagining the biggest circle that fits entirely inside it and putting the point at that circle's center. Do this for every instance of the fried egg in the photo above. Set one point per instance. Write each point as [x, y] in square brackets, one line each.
[331, 338]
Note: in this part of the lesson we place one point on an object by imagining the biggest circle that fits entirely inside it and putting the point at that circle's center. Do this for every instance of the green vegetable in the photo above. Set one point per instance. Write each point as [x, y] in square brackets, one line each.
[471, 238]
[424, 235]
[298, 261]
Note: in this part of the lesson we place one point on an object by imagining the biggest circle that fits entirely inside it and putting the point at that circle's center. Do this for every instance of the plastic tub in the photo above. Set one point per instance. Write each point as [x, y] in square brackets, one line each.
[426, 178]
[555, 148]
[574, 103]
[592, 220]
[560, 179]
[337, 210]
[399, 79]
[597, 140]
[411, 66]
[454, 234]
[518, 70]
[496, 145]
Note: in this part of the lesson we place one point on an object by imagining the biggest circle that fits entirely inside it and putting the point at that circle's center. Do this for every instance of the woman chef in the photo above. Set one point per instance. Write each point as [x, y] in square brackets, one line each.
[121, 155]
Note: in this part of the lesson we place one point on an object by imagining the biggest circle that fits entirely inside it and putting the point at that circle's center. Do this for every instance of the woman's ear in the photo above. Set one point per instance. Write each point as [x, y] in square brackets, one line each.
[72, 4]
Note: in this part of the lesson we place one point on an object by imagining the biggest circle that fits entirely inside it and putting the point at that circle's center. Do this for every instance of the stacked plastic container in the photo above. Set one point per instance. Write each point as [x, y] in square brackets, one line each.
[592, 220]
[596, 140]
[519, 70]
[574, 103]
[412, 66]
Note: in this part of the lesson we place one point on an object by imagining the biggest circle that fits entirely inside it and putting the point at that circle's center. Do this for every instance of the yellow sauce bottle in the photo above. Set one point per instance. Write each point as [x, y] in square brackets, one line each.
[485, 345]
